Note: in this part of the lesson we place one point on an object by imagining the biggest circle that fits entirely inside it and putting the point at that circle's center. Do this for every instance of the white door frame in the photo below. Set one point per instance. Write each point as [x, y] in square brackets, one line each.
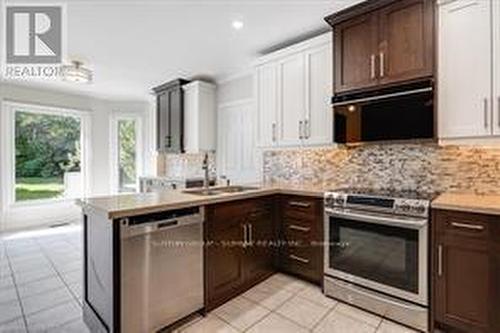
[139, 162]
[8, 172]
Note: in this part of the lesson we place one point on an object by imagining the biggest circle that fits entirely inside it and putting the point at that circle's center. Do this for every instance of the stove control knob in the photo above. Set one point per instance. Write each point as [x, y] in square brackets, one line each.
[404, 207]
[339, 201]
[420, 209]
[329, 201]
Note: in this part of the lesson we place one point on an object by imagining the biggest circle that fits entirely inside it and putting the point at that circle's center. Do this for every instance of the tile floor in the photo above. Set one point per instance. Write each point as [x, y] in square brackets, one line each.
[41, 282]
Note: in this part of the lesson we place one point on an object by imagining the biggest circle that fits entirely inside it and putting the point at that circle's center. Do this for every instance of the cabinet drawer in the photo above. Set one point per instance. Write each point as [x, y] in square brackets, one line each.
[303, 261]
[464, 224]
[300, 207]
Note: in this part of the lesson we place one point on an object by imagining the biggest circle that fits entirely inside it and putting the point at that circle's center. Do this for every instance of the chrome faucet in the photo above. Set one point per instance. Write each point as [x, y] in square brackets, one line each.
[205, 167]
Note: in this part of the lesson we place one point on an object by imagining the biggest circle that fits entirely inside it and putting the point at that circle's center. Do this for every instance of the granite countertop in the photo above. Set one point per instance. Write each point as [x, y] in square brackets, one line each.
[472, 203]
[118, 206]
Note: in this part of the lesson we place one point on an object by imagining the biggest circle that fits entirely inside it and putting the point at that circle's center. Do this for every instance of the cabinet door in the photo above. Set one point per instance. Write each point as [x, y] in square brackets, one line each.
[224, 257]
[496, 67]
[176, 130]
[356, 47]
[318, 124]
[462, 283]
[464, 69]
[267, 91]
[259, 255]
[162, 121]
[406, 37]
[291, 100]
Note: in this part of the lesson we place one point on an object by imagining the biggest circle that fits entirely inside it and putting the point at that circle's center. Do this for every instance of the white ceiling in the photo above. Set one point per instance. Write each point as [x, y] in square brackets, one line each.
[134, 45]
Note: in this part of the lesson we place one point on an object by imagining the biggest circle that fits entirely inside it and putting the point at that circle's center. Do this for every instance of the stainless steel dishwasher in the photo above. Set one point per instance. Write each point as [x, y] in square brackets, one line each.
[161, 268]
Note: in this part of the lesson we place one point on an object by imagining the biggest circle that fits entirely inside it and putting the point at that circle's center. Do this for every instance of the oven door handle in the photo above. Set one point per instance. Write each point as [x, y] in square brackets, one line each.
[403, 222]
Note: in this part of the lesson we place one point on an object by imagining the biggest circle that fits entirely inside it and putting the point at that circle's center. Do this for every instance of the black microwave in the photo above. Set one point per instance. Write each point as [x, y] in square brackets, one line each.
[405, 112]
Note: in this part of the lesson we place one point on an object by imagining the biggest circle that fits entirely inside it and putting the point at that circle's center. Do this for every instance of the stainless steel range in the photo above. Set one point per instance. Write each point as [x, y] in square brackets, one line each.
[376, 253]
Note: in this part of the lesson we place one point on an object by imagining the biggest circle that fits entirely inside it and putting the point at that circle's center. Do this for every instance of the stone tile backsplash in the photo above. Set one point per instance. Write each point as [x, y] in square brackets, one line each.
[423, 167]
[182, 166]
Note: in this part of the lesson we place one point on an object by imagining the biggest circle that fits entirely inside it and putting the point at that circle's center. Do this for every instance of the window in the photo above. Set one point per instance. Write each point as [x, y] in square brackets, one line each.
[126, 145]
[44, 153]
[47, 156]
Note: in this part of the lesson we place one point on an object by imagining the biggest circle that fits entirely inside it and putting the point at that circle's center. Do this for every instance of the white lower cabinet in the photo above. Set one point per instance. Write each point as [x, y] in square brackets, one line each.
[468, 96]
[294, 87]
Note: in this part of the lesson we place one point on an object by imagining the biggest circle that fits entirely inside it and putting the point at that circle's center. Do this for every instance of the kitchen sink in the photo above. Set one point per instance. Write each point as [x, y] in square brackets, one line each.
[203, 192]
[221, 190]
[236, 189]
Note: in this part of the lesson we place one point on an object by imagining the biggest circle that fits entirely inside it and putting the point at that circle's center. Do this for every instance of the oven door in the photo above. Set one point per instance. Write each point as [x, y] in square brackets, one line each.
[378, 251]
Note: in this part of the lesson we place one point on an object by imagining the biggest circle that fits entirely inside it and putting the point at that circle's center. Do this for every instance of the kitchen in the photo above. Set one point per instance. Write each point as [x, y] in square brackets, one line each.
[343, 182]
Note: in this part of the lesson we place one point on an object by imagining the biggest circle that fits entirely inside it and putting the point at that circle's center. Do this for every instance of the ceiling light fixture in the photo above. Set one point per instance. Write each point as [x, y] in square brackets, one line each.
[238, 25]
[76, 73]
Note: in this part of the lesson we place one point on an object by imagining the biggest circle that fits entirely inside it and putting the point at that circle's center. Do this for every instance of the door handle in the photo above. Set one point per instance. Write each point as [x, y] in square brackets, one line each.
[440, 260]
[382, 64]
[372, 66]
[250, 234]
[245, 241]
[301, 130]
[274, 132]
[307, 129]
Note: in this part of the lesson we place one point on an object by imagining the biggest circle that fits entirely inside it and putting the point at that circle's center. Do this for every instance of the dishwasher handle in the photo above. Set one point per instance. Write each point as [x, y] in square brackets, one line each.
[128, 230]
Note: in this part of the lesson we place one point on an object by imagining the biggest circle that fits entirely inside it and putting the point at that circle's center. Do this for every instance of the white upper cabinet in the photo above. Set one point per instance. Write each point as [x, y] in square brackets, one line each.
[291, 100]
[465, 99]
[496, 67]
[199, 117]
[294, 89]
[267, 104]
[318, 121]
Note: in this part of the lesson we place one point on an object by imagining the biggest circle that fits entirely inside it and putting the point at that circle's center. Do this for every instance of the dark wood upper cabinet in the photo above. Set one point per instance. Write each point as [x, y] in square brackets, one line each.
[466, 272]
[170, 116]
[356, 48]
[381, 42]
[406, 41]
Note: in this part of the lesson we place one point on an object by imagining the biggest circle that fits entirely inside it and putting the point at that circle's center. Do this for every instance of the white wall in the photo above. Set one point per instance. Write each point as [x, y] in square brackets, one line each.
[100, 163]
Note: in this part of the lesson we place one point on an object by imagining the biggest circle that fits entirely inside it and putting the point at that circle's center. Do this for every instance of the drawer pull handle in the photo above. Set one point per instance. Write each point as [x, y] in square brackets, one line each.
[299, 204]
[299, 228]
[467, 226]
[299, 259]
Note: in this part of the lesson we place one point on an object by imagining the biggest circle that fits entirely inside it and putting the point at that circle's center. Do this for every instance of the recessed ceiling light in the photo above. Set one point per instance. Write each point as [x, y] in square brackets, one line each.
[238, 25]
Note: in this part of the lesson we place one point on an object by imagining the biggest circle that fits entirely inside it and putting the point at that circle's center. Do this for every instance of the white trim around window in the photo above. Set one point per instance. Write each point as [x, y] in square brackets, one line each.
[7, 170]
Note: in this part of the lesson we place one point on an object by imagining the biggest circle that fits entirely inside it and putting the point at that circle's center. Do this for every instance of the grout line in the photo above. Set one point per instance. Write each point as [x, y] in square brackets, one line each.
[324, 316]
[17, 291]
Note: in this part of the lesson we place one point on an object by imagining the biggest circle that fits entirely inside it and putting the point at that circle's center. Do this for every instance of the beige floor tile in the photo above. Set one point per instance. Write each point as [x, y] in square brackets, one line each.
[276, 324]
[45, 300]
[391, 327]
[241, 313]
[336, 322]
[303, 311]
[268, 295]
[314, 294]
[13, 326]
[209, 324]
[358, 314]
[286, 282]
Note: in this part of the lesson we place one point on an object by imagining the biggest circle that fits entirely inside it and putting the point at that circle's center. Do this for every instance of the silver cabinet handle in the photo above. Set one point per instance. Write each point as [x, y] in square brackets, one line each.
[299, 204]
[301, 130]
[299, 259]
[250, 234]
[485, 105]
[372, 66]
[299, 228]
[307, 129]
[440, 260]
[467, 226]
[382, 64]
[245, 241]
[274, 132]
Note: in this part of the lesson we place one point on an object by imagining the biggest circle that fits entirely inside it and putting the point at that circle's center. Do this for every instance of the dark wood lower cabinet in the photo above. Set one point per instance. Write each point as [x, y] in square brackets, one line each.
[237, 254]
[301, 232]
[466, 272]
